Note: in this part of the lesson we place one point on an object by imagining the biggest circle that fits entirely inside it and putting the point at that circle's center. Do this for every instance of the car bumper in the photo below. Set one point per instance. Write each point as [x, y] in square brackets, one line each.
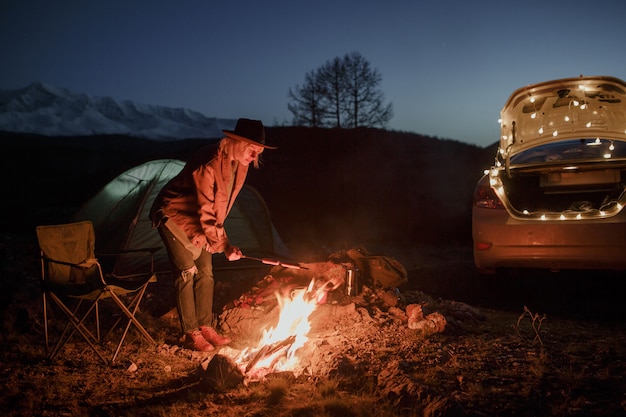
[501, 241]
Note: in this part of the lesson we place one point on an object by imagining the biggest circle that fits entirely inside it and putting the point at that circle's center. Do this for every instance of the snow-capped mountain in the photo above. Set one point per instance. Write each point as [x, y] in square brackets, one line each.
[47, 110]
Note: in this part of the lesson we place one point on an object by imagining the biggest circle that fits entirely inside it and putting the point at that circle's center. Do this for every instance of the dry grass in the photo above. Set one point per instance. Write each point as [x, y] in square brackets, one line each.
[477, 369]
[514, 363]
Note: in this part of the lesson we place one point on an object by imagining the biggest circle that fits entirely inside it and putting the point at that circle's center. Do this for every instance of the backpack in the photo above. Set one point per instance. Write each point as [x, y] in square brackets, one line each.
[382, 271]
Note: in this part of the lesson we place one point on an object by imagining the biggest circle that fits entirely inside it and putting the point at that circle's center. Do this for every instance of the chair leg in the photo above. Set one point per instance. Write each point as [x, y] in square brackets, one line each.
[97, 321]
[131, 319]
[66, 337]
[132, 305]
[76, 323]
[77, 326]
[45, 322]
[133, 302]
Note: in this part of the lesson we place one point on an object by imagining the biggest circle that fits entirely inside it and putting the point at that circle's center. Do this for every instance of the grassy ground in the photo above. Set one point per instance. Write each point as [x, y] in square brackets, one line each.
[515, 361]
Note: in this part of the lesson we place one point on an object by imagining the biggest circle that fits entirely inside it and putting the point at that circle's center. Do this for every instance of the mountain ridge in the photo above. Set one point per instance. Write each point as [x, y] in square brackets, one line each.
[44, 109]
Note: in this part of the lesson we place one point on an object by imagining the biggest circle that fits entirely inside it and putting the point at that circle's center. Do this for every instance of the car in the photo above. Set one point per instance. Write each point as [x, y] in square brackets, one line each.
[554, 197]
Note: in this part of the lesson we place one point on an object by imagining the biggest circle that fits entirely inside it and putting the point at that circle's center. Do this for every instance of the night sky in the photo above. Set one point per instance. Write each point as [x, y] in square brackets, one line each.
[447, 66]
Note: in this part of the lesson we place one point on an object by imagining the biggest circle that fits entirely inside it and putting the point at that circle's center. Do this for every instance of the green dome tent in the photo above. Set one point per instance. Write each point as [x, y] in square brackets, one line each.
[119, 213]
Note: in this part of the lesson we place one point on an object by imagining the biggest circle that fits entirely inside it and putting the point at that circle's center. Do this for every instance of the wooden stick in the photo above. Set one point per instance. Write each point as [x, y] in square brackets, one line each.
[269, 350]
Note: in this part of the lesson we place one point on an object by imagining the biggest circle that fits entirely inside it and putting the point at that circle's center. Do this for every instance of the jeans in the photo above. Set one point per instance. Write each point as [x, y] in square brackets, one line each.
[194, 291]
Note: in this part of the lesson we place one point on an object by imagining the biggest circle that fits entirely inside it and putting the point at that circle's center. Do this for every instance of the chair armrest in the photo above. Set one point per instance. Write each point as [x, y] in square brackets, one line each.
[88, 263]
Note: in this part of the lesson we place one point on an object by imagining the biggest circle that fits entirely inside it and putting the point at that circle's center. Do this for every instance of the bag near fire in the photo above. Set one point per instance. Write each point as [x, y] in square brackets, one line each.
[383, 271]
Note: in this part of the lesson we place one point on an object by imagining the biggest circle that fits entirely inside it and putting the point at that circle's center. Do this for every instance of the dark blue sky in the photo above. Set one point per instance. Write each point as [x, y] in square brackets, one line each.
[447, 66]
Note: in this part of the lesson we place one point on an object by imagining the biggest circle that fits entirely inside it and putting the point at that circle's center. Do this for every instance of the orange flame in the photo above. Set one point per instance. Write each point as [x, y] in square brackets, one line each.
[293, 324]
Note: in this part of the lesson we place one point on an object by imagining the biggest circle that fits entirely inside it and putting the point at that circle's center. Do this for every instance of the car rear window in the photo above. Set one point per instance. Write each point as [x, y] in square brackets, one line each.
[572, 150]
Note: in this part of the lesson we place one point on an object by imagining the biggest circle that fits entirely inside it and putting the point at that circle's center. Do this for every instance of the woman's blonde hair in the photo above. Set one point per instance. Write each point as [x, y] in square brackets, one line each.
[231, 146]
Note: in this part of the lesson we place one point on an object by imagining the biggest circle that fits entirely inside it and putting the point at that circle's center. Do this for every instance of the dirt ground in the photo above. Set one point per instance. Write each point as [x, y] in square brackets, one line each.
[513, 345]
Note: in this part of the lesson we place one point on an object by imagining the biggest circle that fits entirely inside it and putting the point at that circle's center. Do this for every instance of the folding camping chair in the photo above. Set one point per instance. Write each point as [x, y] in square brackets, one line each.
[74, 280]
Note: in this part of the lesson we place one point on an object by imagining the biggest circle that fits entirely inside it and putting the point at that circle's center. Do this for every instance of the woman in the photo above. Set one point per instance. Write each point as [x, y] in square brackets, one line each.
[189, 214]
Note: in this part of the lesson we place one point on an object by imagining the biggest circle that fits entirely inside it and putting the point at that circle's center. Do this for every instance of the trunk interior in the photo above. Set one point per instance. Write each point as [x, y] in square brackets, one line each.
[561, 190]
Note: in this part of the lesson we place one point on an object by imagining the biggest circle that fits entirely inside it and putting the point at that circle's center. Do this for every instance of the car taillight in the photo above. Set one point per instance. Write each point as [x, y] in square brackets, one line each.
[485, 197]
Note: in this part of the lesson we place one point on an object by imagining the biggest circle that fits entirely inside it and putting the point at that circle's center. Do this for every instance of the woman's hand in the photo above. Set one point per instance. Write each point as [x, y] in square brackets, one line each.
[233, 253]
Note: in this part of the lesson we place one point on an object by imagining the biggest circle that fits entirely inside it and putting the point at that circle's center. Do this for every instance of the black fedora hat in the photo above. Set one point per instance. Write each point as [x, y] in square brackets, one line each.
[251, 131]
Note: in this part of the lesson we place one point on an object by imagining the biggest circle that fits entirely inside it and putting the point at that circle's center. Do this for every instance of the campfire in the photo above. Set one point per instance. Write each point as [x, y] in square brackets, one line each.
[287, 323]
[276, 351]
[273, 321]
[296, 324]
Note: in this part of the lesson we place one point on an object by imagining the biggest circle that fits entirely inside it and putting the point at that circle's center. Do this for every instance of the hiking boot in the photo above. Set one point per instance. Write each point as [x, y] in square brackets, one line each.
[213, 337]
[194, 340]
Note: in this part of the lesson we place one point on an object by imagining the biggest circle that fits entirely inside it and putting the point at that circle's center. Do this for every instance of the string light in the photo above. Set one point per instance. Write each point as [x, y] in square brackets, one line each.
[568, 112]
[609, 209]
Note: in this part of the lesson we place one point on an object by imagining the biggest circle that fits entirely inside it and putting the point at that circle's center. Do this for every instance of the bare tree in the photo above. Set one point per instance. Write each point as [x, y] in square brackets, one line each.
[364, 104]
[308, 107]
[332, 77]
[342, 93]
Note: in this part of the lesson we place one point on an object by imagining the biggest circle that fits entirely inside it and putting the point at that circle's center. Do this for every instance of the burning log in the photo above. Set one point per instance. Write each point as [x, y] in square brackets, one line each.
[269, 350]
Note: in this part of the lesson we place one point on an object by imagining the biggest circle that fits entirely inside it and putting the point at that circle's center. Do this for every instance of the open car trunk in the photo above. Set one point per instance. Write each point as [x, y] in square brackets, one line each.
[560, 189]
[563, 147]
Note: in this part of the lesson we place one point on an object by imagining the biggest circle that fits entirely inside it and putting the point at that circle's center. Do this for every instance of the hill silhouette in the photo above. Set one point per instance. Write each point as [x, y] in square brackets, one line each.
[321, 185]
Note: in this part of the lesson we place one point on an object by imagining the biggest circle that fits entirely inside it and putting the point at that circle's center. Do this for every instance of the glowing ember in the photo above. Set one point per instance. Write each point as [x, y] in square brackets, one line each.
[277, 348]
